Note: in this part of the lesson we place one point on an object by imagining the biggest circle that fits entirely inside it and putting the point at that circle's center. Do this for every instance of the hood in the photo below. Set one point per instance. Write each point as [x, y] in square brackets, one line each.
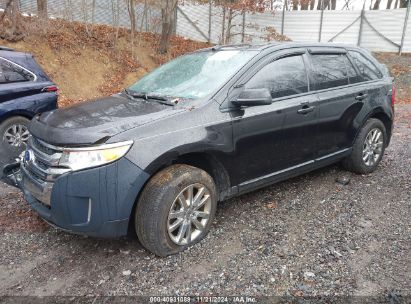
[98, 120]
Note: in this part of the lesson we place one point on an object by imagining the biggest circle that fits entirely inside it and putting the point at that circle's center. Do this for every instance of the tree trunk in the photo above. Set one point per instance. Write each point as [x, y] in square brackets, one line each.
[229, 22]
[168, 8]
[389, 2]
[312, 4]
[223, 26]
[10, 26]
[42, 9]
[132, 15]
[304, 4]
[403, 3]
[295, 5]
[323, 4]
[333, 4]
[376, 5]
[396, 4]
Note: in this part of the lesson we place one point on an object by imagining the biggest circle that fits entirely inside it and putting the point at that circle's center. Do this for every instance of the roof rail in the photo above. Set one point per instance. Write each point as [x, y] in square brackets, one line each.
[220, 46]
[4, 48]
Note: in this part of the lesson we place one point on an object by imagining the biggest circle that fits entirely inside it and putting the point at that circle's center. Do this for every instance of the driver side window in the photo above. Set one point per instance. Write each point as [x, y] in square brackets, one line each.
[283, 77]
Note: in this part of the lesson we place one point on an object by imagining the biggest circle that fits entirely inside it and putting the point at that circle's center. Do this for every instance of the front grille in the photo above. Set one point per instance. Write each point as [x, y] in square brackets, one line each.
[41, 168]
[40, 146]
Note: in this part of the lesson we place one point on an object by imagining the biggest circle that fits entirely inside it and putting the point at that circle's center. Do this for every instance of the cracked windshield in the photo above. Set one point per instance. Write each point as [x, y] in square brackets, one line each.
[193, 76]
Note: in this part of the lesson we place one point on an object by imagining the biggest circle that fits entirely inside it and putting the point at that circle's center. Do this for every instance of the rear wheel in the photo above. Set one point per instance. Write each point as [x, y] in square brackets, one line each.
[368, 148]
[175, 209]
[14, 135]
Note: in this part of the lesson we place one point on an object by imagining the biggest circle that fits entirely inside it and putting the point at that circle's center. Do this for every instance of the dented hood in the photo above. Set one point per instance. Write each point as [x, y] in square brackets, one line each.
[98, 120]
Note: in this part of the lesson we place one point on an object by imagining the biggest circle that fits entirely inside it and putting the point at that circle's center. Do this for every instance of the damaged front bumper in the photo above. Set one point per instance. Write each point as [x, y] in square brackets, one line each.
[12, 174]
[96, 202]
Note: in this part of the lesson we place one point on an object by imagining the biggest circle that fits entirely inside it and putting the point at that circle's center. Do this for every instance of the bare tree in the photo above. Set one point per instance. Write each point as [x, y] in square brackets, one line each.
[403, 3]
[42, 9]
[312, 4]
[168, 8]
[10, 25]
[389, 2]
[333, 4]
[132, 15]
[304, 4]
[295, 5]
[376, 5]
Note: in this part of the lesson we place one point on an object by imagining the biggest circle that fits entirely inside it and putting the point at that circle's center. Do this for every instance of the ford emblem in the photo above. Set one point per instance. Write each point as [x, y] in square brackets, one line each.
[28, 156]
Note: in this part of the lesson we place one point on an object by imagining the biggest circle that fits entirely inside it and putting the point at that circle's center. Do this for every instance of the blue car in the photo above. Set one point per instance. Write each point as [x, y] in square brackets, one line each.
[25, 90]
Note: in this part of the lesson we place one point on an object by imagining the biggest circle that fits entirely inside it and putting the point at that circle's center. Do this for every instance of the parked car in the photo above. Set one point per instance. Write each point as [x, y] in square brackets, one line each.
[207, 126]
[25, 90]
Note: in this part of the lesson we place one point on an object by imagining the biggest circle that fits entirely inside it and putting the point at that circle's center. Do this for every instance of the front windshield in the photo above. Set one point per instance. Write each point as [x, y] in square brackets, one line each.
[193, 76]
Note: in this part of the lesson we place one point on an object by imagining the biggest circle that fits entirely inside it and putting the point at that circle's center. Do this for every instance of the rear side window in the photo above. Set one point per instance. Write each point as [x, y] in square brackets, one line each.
[283, 77]
[330, 70]
[368, 71]
[10, 72]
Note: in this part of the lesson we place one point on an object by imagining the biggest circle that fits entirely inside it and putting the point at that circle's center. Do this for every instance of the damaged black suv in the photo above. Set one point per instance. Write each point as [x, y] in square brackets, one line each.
[157, 157]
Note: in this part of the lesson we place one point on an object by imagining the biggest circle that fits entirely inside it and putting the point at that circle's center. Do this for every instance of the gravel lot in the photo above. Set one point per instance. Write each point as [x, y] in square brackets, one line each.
[307, 236]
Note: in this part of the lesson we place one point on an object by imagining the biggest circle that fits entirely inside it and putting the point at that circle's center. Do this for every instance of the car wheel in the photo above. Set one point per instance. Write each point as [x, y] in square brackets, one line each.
[368, 148]
[175, 209]
[14, 135]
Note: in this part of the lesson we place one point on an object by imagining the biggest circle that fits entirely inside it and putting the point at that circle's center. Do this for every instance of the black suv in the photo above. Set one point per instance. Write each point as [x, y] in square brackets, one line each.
[205, 127]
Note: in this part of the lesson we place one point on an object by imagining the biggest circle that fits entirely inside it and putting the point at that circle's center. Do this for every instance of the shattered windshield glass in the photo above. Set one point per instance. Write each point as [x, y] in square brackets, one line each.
[193, 76]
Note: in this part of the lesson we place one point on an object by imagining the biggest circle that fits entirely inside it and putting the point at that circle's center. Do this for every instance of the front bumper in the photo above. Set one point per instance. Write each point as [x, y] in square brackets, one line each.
[96, 202]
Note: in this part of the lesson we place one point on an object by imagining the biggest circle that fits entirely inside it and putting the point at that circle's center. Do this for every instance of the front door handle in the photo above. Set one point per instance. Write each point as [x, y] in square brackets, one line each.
[361, 96]
[305, 109]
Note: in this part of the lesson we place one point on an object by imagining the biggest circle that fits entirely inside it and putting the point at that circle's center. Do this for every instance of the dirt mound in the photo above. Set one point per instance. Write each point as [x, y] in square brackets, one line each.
[87, 62]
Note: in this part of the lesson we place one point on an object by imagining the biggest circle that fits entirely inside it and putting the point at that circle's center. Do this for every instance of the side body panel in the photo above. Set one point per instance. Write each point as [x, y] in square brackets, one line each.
[25, 99]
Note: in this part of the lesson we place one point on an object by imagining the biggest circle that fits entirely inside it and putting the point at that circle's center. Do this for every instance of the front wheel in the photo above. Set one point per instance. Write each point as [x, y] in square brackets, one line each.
[368, 148]
[175, 209]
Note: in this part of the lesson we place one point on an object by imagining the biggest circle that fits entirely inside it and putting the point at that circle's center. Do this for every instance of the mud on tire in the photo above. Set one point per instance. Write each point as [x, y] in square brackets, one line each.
[164, 203]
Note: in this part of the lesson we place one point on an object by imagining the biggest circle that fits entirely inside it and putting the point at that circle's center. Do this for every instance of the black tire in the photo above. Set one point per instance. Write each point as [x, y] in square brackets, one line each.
[5, 148]
[355, 162]
[155, 203]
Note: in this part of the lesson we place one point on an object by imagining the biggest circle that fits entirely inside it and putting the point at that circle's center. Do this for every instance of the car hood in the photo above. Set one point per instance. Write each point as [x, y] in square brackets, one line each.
[98, 120]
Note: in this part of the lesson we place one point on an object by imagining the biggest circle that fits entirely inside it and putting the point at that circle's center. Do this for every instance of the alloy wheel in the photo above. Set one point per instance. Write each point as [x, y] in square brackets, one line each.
[189, 214]
[372, 148]
[16, 135]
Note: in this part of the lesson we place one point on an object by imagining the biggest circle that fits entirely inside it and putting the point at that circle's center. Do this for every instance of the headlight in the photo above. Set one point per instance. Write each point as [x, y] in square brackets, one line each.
[81, 158]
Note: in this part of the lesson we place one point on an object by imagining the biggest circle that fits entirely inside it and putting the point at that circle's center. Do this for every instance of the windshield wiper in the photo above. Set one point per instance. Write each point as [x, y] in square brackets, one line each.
[160, 98]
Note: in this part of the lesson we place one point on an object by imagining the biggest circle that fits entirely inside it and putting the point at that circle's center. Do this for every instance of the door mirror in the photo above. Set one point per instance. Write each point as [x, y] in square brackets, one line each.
[254, 97]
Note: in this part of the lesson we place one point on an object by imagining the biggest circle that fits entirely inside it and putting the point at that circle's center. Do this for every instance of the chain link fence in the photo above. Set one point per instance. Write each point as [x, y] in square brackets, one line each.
[109, 12]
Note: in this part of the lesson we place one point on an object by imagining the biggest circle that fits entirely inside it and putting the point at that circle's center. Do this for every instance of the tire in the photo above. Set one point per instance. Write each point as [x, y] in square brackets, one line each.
[356, 162]
[21, 124]
[160, 209]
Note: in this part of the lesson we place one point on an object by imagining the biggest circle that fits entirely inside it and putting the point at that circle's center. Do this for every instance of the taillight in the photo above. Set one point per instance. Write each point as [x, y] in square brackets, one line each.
[393, 96]
[51, 89]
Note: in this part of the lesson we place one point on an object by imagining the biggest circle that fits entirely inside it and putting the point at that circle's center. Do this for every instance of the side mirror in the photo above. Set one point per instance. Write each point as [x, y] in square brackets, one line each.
[254, 97]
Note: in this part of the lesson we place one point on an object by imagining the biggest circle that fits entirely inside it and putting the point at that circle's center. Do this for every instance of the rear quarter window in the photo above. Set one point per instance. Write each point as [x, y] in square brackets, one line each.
[367, 69]
[10, 72]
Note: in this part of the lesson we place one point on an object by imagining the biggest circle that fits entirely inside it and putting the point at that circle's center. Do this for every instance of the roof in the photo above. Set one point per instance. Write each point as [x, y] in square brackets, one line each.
[280, 45]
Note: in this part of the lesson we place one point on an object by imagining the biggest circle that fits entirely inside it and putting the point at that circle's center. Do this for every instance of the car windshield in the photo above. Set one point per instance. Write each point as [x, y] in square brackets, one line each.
[193, 76]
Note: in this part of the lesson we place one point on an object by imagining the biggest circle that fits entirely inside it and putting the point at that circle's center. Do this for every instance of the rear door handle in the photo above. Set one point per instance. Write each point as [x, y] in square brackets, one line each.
[361, 96]
[305, 109]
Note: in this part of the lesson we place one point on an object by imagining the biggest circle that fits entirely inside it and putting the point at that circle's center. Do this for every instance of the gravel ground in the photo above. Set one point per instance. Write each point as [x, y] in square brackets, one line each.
[304, 237]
